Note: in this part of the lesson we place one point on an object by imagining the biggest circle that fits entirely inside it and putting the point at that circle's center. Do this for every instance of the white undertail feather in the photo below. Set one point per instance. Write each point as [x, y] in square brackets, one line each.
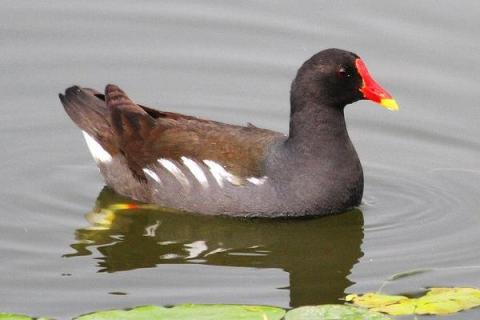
[177, 173]
[98, 153]
[152, 175]
[220, 174]
[196, 171]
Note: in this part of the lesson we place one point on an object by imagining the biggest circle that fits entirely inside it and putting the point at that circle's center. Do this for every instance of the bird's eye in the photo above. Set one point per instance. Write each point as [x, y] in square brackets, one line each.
[343, 73]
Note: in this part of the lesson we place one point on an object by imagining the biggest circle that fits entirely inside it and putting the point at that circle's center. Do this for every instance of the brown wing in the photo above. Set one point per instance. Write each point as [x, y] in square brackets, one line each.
[146, 135]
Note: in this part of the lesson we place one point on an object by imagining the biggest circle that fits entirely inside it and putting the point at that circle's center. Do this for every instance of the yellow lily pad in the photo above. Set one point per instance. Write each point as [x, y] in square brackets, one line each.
[436, 301]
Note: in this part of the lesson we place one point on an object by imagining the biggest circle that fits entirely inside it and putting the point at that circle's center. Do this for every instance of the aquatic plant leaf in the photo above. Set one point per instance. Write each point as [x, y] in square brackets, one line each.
[190, 311]
[436, 301]
[143, 312]
[237, 312]
[12, 316]
[333, 312]
[371, 300]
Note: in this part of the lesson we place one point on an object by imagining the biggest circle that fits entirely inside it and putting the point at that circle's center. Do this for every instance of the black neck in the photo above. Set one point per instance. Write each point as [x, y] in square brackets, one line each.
[314, 127]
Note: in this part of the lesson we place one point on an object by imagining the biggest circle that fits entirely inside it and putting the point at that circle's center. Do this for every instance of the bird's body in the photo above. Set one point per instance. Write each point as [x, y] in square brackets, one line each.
[208, 167]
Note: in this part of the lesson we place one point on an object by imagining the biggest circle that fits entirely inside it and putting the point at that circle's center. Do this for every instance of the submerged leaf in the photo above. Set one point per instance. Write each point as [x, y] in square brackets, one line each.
[191, 311]
[333, 312]
[435, 301]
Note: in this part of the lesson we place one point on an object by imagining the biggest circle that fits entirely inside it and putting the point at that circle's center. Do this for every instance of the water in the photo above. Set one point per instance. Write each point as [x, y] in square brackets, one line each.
[233, 62]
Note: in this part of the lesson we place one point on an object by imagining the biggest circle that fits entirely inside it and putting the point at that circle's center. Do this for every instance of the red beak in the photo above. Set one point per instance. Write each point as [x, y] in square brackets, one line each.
[372, 90]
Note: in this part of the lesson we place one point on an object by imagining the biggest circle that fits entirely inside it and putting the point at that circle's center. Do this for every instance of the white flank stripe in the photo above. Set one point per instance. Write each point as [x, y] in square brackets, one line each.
[257, 181]
[170, 166]
[152, 175]
[196, 171]
[220, 174]
[97, 151]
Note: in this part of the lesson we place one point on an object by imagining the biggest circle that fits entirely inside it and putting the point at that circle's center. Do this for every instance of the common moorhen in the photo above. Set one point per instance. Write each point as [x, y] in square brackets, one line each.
[203, 166]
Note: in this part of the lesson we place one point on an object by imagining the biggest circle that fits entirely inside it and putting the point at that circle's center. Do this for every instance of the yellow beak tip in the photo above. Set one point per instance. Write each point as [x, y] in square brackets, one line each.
[389, 104]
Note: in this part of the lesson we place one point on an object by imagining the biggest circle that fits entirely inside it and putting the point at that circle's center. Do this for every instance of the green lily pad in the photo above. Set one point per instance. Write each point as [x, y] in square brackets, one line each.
[190, 311]
[144, 312]
[12, 316]
[436, 301]
[333, 312]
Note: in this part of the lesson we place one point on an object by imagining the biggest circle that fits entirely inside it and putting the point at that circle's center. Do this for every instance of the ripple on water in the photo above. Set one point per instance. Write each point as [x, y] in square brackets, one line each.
[418, 219]
[407, 200]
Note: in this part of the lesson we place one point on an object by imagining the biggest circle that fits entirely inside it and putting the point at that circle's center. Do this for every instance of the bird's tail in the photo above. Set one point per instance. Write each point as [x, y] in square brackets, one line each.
[87, 108]
[112, 124]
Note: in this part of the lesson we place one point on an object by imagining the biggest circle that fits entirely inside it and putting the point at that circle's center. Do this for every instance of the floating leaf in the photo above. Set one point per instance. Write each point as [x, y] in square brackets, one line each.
[333, 312]
[435, 301]
[144, 312]
[190, 311]
[13, 316]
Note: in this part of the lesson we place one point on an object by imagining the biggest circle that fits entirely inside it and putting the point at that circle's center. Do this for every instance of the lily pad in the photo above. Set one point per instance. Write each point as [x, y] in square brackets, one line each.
[12, 316]
[190, 311]
[333, 312]
[436, 301]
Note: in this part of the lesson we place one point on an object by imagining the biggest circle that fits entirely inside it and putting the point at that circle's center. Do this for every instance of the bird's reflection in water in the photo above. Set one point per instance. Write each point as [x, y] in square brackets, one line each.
[317, 253]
